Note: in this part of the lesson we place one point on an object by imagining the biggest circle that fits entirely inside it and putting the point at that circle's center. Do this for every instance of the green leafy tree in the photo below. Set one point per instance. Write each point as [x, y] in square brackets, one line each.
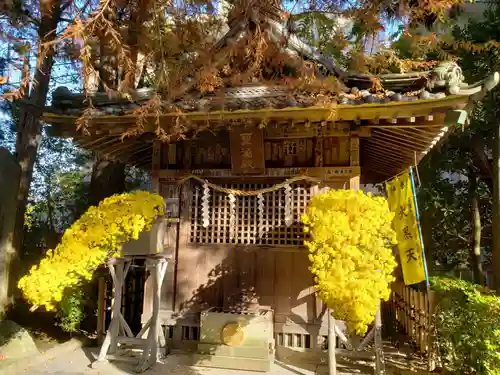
[453, 231]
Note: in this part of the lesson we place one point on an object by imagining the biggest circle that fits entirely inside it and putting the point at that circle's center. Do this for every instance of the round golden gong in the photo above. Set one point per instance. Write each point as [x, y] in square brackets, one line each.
[232, 334]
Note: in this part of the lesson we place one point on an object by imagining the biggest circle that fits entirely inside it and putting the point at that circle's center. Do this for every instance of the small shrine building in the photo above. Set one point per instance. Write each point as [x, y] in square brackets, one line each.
[236, 252]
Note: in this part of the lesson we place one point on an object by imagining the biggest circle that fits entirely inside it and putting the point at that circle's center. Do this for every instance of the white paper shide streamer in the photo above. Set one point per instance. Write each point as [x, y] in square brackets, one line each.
[288, 206]
[260, 209]
[232, 216]
[205, 208]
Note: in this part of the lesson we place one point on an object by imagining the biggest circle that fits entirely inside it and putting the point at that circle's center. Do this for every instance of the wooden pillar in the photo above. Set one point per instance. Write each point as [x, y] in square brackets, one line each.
[495, 251]
[156, 166]
[156, 161]
[354, 161]
[101, 309]
[318, 152]
[354, 151]
[354, 183]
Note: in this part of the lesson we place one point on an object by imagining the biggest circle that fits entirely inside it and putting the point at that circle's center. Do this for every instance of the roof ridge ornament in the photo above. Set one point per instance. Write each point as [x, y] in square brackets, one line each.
[447, 75]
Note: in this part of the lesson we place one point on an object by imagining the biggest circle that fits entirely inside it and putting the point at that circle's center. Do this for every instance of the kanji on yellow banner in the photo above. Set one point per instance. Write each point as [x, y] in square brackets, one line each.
[402, 203]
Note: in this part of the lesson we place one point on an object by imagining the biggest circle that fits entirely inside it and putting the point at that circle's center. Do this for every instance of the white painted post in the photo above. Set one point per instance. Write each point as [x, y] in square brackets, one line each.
[379, 350]
[150, 354]
[332, 343]
[117, 304]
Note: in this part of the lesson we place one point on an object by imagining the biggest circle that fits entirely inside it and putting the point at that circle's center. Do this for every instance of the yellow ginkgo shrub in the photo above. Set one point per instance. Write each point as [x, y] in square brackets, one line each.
[351, 253]
[98, 235]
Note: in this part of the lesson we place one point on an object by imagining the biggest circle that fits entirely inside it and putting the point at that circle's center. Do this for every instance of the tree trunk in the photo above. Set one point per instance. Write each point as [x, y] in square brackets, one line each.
[475, 251]
[427, 223]
[108, 178]
[495, 251]
[8, 192]
[28, 126]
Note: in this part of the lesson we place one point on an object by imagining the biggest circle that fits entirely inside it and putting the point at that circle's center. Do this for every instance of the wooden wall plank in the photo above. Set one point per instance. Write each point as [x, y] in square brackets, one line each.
[302, 292]
[247, 277]
[265, 277]
[283, 290]
[230, 280]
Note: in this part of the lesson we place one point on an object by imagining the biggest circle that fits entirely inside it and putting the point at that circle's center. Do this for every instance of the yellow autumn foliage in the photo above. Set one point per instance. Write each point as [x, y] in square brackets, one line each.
[98, 235]
[351, 253]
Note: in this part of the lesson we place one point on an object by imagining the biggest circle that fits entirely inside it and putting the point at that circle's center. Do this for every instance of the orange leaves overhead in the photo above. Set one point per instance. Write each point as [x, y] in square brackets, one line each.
[182, 50]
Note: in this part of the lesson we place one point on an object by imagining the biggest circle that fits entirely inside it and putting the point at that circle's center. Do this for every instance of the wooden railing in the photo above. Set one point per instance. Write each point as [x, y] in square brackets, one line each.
[410, 312]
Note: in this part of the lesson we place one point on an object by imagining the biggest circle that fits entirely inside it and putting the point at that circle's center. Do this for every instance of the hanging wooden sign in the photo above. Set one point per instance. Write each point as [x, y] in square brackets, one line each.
[247, 149]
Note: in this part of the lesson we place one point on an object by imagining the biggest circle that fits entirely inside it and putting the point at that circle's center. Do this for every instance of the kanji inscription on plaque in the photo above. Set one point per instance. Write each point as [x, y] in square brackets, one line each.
[247, 150]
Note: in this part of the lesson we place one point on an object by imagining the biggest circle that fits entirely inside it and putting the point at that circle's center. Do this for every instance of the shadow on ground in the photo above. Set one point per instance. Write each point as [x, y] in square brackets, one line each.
[41, 325]
[172, 364]
[396, 364]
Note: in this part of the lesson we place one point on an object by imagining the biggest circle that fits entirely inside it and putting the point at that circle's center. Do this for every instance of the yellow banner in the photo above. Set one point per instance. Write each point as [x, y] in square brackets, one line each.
[402, 203]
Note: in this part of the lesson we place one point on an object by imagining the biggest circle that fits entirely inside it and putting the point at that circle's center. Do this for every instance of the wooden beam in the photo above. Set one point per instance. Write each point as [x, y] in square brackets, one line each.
[380, 154]
[438, 119]
[143, 161]
[82, 141]
[385, 145]
[412, 134]
[139, 147]
[399, 139]
[429, 133]
[404, 140]
[140, 151]
[377, 155]
[370, 155]
[390, 144]
[98, 146]
[377, 167]
[118, 148]
[326, 174]
[388, 163]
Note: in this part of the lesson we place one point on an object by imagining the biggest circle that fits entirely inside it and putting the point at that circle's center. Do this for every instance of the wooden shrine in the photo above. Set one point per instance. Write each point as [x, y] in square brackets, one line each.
[235, 191]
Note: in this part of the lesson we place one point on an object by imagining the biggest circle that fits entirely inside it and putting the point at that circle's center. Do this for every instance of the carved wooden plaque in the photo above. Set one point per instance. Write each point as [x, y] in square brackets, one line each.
[247, 149]
[335, 151]
[206, 151]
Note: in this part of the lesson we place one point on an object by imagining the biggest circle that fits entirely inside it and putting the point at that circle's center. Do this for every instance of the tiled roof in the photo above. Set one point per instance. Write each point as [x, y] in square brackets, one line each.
[253, 97]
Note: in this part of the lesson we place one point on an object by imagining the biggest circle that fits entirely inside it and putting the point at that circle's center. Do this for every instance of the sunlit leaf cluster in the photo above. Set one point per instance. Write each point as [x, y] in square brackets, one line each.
[351, 253]
[467, 323]
[98, 235]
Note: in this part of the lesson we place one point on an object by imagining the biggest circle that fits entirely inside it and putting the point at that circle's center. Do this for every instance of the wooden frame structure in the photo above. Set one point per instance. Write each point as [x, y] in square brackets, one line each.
[119, 337]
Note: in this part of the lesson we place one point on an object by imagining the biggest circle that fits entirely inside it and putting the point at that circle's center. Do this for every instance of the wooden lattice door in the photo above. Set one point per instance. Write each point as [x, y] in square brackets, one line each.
[250, 220]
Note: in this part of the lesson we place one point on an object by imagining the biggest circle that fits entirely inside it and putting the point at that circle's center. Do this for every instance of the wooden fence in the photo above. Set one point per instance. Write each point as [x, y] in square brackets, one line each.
[411, 314]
